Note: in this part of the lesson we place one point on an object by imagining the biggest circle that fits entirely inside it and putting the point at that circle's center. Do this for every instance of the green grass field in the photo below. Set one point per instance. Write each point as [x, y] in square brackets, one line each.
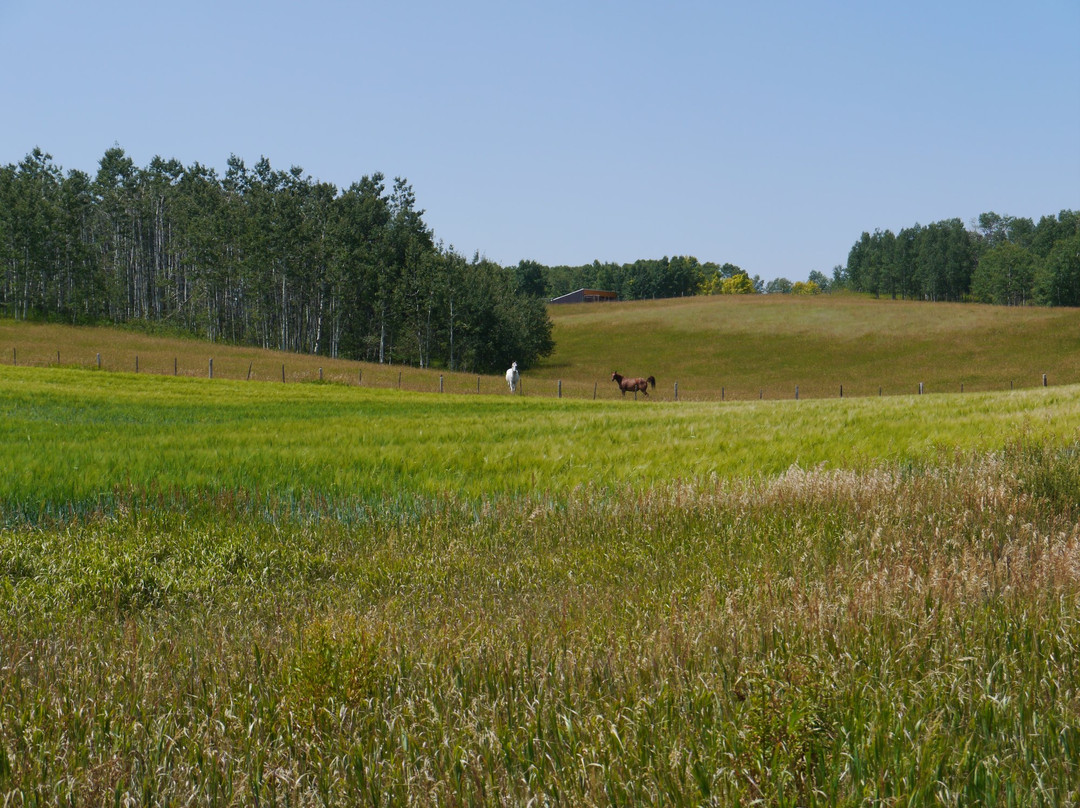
[223, 592]
[73, 438]
[728, 346]
[765, 345]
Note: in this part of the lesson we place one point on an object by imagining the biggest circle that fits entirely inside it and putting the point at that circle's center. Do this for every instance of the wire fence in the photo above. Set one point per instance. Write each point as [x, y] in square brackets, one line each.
[308, 369]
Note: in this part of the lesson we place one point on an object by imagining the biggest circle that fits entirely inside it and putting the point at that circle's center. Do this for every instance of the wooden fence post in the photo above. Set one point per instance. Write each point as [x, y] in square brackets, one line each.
[440, 382]
[136, 363]
[283, 374]
[249, 371]
[594, 390]
[99, 361]
[676, 391]
[796, 392]
[211, 367]
[175, 366]
[560, 388]
[58, 362]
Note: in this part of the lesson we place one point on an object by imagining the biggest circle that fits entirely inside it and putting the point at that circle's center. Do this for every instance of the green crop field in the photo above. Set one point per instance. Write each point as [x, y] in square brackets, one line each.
[231, 592]
[74, 438]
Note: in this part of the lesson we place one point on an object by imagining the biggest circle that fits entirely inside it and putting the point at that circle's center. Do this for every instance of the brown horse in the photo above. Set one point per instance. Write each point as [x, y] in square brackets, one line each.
[633, 385]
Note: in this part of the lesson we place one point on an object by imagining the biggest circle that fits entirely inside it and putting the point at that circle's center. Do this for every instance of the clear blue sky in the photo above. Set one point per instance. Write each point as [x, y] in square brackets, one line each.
[767, 134]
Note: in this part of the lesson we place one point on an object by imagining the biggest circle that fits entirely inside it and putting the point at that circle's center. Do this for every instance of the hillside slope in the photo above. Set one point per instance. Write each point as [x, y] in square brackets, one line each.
[766, 345]
[731, 347]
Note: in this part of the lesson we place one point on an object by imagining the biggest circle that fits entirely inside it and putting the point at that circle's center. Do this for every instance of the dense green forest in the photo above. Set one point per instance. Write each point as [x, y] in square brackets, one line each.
[259, 256]
[277, 259]
[679, 276]
[1002, 259]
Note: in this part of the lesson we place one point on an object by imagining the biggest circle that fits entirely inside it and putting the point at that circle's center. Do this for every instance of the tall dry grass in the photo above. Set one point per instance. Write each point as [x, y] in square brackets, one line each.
[907, 634]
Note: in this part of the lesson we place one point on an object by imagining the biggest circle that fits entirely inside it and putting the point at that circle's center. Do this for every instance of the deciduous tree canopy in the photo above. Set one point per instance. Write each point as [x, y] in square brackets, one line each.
[259, 256]
[1001, 259]
[644, 279]
[277, 259]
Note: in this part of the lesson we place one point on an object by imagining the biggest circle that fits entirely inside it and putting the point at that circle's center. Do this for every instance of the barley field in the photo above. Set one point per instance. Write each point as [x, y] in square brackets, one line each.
[223, 592]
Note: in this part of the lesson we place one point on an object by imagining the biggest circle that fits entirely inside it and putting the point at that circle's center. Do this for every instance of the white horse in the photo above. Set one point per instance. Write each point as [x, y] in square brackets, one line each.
[512, 377]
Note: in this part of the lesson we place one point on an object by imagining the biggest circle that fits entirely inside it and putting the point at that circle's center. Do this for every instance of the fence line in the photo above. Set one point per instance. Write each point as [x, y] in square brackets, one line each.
[456, 385]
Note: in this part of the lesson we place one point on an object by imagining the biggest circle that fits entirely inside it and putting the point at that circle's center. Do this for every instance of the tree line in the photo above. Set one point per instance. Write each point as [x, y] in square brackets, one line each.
[257, 256]
[274, 258]
[678, 276]
[1001, 259]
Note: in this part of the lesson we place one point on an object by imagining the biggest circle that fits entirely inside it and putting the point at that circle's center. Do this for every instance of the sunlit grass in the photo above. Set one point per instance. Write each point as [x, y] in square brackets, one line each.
[822, 638]
[217, 592]
[73, 439]
[123, 351]
[767, 345]
[728, 346]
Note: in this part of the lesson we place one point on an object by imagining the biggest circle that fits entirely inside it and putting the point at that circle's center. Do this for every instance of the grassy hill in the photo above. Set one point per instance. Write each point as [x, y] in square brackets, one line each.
[223, 592]
[129, 351]
[760, 345]
[735, 347]
[80, 441]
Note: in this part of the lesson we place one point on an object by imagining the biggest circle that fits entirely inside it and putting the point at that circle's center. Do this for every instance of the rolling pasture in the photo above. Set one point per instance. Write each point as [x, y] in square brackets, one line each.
[763, 346]
[223, 592]
[739, 347]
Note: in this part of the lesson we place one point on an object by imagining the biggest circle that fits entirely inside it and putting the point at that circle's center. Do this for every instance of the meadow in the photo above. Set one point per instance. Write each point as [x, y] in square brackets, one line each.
[748, 347]
[77, 441]
[731, 347]
[222, 592]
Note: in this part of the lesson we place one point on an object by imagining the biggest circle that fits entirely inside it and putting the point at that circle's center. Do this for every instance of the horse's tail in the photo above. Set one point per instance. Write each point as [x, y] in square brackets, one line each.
[652, 381]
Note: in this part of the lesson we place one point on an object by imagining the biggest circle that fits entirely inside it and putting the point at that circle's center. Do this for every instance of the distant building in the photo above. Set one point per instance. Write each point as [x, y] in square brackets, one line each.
[586, 296]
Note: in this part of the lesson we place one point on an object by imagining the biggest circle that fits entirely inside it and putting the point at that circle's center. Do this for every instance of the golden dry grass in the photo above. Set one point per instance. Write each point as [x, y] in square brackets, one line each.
[120, 350]
[765, 346]
[727, 346]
